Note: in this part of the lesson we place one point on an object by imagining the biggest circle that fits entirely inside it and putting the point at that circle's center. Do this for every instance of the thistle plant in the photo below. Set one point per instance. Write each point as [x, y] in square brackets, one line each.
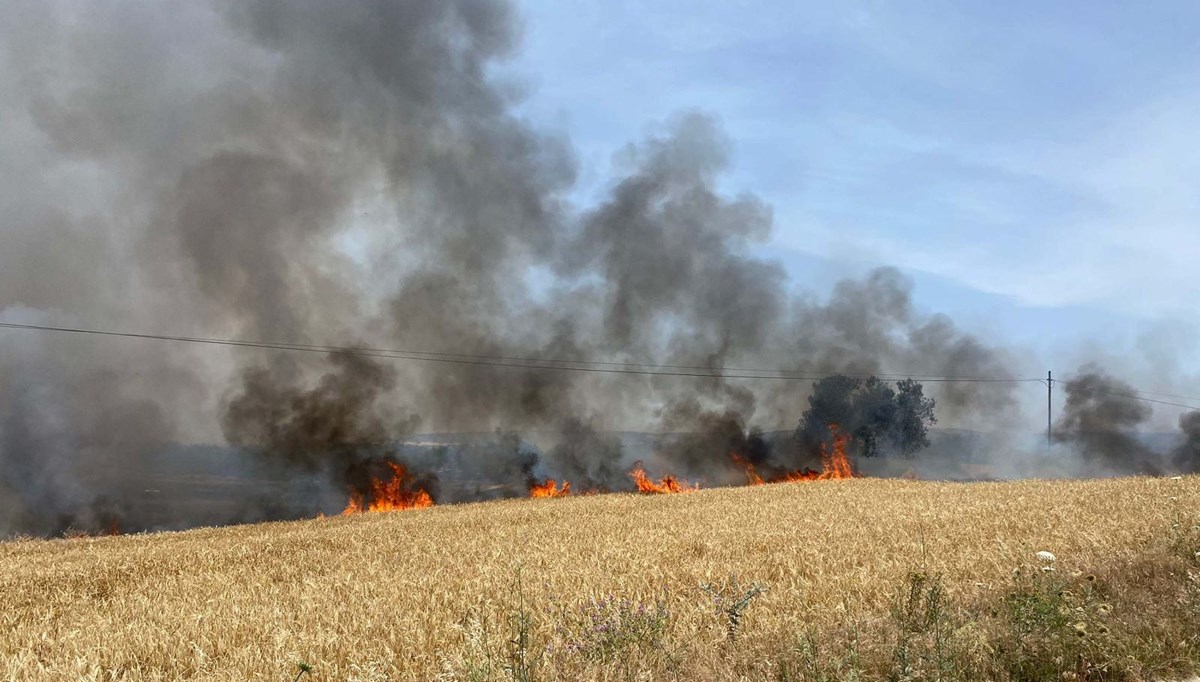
[302, 669]
[732, 600]
[607, 627]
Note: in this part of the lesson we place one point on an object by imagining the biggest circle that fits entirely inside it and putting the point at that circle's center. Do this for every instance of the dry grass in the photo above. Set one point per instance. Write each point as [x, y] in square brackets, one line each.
[411, 595]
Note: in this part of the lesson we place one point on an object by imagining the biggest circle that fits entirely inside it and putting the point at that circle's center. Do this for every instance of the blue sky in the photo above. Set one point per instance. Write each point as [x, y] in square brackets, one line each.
[1032, 165]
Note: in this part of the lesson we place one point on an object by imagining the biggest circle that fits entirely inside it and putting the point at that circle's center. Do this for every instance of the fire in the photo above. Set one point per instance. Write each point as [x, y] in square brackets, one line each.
[665, 485]
[752, 476]
[391, 495]
[834, 464]
[550, 489]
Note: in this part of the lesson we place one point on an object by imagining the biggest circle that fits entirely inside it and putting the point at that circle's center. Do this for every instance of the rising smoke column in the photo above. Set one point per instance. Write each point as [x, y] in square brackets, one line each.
[590, 460]
[340, 426]
[712, 445]
[680, 282]
[242, 137]
[308, 171]
[1100, 421]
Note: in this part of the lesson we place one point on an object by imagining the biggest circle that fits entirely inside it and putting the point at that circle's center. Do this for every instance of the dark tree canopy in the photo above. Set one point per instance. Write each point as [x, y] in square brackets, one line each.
[880, 418]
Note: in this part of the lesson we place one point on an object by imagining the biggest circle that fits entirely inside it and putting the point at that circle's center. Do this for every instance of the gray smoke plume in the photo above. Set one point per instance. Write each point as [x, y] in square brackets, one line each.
[337, 420]
[1186, 457]
[711, 445]
[309, 172]
[341, 426]
[502, 466]
[590, 460]
[1100, 420]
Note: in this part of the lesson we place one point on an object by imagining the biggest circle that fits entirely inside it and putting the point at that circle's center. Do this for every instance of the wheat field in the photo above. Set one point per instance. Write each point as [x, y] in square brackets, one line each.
[413, 595]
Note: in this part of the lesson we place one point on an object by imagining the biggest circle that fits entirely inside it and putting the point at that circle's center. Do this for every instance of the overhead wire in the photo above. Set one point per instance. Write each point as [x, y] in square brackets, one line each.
[576, 365]
[646, 369]
[1136, 394]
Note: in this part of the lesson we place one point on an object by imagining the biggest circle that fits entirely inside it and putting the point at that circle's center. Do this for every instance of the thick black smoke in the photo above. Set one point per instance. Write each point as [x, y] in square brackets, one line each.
[341, 426]
[309, 172]
[339, 419]
[1101, 419]
[712, 445]
[590, 460]
[1186, 457]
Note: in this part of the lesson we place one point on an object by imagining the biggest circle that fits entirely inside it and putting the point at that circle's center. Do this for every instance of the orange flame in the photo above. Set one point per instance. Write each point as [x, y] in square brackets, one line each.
[799, 476]
[834, 465]
[550, 489]
[391, 495]
[665, 485]
[752, 476]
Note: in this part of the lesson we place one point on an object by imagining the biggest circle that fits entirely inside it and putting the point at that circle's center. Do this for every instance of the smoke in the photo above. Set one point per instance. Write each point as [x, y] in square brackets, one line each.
[310, 172]
[1186, 457]
[340, 426]
[1101, 419]
[502, 466]
[589, 459]
[710, 444]
[336, 420]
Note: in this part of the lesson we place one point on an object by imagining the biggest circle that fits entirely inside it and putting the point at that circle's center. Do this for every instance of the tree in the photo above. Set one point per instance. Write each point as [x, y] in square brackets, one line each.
[879, 418]
[914, 414]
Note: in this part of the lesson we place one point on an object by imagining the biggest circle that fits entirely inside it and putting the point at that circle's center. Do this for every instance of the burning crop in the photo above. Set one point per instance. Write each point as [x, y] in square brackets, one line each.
[752, 475]
[394, 494]
[666, 485]
[835, 464]
[550, 489]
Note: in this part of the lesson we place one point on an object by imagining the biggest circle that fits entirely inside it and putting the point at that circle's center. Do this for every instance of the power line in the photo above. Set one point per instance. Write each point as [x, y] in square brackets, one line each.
[1148, 400]
[1167, 395]
[523, 363]
[1138, 391]
[572, 365]
[1141, 395]
[799, 372]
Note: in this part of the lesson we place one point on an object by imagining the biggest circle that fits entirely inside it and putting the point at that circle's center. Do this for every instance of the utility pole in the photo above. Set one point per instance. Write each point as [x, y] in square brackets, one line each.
[1049, 412]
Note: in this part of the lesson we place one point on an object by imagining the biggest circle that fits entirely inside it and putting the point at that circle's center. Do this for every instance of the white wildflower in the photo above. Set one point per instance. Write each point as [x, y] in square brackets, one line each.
[1046, 556]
